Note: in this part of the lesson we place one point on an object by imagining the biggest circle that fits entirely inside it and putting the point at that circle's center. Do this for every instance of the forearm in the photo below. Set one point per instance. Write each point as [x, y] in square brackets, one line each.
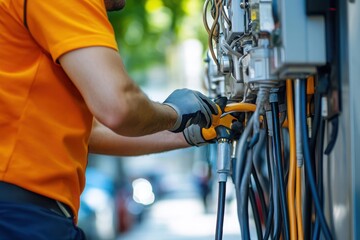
[145, 116]
[112, 96]
[104, 141]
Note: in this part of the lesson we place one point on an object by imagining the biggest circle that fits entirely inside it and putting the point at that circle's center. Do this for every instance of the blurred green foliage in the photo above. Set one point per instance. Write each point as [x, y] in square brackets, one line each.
[145, 29]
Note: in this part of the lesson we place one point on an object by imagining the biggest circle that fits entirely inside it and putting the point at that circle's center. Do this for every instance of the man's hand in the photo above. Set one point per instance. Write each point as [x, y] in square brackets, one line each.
[192, 107]
[194, 135]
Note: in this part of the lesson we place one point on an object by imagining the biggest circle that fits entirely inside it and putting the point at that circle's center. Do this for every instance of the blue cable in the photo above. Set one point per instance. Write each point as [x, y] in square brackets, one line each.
[307, 163]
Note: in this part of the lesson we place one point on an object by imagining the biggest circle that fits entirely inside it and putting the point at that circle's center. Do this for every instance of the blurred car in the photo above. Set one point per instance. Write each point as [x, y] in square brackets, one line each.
[109, 208]
[97, 214]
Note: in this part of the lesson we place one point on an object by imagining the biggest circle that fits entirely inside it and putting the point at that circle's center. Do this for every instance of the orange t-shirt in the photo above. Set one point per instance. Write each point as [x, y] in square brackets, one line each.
[44, 121]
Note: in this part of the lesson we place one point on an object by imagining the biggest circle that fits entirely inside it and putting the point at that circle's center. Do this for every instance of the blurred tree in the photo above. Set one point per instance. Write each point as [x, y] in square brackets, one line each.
[145, 29]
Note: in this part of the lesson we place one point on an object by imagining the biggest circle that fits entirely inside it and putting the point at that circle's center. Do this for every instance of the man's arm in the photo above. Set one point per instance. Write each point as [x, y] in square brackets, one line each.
[104, 141]
[112, 96]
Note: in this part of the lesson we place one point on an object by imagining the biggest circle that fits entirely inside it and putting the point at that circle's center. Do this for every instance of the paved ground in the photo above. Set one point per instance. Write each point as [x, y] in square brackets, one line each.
[183, 219]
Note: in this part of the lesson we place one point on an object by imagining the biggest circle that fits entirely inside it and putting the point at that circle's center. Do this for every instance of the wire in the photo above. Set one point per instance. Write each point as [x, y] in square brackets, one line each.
[306, 151]
[316, 121]
[319, 155]
[226, 18]
[240, 107]
[269, 220]
[260, 191]
[255, 212]
[244, 192]
[275, 193]
[242, 181]
[212, 30]
[333, 136]
[268, 226]
[206, 25]
[320, 173]
[278, 159]
[292, 159]
[298, 205]
[220, 211]
[300, 159]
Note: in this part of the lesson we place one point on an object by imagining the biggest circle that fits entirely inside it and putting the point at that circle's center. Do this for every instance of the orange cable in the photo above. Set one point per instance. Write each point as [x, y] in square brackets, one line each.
[240, 107]
[298, 204]
[292, 168]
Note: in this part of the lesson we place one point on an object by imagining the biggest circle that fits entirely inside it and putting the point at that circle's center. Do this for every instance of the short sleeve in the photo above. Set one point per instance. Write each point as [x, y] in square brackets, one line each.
[63, 26]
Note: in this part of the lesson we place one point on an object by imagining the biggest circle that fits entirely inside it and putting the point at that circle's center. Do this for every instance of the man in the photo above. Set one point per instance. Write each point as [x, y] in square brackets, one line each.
[64, 92]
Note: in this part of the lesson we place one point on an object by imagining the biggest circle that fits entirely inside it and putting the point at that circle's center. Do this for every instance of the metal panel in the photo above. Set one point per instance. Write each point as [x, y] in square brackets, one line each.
[354, 105]
[301, 46]
[342, 170]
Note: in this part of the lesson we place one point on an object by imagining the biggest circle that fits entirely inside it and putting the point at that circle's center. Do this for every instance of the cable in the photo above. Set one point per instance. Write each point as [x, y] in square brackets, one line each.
[278, 158]
[319, 156]
[223, 171]
[333, 136]
[240, 107]
[275, 194]
[242, 182]
[255, 212]
[220, 211]
[206, 25]
[269, 220]
[316, 121]
[268, 225]
[306, 151]
[306, 219]
[298, 196]
[244, 192]
[212, 30]
[260, 191]
[292, 159]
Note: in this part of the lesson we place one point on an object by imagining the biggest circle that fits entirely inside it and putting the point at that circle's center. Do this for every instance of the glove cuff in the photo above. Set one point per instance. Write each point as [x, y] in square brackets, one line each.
[177, 125]
[193, 136]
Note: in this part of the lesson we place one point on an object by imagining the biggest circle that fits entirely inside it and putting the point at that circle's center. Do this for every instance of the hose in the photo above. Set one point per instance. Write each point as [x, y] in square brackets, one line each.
[220, 211]
[309, 174]
[278, 159]
[292, 159]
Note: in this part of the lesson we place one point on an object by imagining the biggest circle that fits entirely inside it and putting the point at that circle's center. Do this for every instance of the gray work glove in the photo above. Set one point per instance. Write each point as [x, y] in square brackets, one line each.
[192, 107]
[195, 136]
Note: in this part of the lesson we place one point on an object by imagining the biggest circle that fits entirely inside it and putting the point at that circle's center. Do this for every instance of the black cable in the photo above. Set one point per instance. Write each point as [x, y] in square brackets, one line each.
[314, 144]
[320, 153]
[220, 211]
[269, 218]
[244, 193]
[307, 163]
[333, 136]
[255, 212]
[278, 158]
[275, 10]
[260, 192]
[307, 203]
[275, 195]
[260, 163]
[240, 161]
[316, 121]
